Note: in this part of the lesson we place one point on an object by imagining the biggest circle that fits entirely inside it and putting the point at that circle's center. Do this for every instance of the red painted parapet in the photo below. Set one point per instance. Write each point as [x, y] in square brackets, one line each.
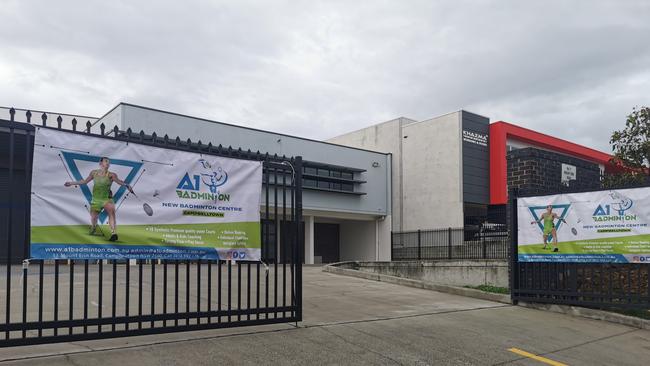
[501, 131]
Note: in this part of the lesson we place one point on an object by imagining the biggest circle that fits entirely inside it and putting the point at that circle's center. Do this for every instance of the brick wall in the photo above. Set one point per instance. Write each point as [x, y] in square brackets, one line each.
[534, 169]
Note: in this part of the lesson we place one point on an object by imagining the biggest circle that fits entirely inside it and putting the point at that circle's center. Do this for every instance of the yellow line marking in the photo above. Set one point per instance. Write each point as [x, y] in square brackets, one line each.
[537, 358]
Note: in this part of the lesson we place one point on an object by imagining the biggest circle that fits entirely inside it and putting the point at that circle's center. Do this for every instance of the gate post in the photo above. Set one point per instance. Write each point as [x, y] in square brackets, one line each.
[419, 244]
[300, 240]
[514, 255]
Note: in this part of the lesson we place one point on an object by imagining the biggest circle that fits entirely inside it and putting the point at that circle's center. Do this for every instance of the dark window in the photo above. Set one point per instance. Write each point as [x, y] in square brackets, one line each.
[329, 172]
[323, 172]
[310, 170]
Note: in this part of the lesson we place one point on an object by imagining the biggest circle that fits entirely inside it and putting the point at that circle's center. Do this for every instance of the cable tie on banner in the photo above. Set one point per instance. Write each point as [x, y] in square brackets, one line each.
[25, 263]
[266, 266]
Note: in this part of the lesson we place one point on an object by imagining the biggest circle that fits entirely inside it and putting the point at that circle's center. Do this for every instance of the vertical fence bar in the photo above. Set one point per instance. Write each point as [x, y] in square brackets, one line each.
[100, 265]
[176, 293]
[165, 291]
[239, 290]
[114, 295]
[419, 244]
[85, 295]
[25, 267]
[276, 242]
[71, 293]
[140, 269]
[9, 230]
[27, 216]
[187, 292]
[299, 238]
[40, 296]
[292, 229]
[153, 290]
[219, 290]
[248, 290]
[283, 245]
[198, 290]
[267, 233]
[449, 243]
[229, 289]
[209, 289]
[514, 261]
[257, 291]
[127, 292]
[56, 295]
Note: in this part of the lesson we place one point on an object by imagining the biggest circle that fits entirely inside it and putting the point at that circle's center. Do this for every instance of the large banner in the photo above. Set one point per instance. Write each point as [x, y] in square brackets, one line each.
[603, 226]
[98, 198]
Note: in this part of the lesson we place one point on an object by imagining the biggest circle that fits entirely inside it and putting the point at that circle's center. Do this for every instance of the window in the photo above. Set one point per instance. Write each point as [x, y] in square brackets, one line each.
[328, 178]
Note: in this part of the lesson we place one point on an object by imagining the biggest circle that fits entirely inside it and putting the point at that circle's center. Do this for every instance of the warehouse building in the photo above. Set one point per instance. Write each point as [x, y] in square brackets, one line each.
[454, 170]
[346, 197]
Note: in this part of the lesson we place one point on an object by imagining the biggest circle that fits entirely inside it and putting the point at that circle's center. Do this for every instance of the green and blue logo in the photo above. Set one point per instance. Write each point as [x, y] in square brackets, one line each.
[208, 179]
[615, 210]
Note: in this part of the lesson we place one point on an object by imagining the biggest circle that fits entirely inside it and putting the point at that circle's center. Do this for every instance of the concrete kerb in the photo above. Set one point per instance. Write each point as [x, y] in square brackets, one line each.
[591, 314]
[339, 268]
[350, 269]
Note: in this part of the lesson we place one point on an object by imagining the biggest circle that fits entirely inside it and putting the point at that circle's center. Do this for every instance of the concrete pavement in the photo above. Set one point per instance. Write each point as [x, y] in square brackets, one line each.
[357, 321]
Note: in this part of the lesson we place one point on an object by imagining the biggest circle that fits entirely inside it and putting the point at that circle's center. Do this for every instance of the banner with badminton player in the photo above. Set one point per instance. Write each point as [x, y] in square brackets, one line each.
[610, 226]
[99, 198]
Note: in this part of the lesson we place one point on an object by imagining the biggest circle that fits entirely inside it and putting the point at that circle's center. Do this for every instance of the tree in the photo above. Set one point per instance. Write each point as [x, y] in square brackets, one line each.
[631, 147]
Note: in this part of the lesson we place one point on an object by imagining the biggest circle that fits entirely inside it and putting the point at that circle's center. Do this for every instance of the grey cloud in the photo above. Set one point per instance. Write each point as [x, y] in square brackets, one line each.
[573, 69]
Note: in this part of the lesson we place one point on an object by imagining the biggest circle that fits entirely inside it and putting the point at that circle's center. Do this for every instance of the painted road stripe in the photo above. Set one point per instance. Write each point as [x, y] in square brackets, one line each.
[535, 357]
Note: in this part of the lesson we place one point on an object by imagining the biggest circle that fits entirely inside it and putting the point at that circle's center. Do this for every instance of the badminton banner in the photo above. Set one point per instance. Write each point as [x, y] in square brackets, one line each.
[603, 226]
[180, 205]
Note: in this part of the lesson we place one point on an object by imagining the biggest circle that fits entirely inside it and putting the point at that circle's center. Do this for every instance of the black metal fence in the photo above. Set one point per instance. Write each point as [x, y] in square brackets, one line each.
[61, 300]
[598, 285]
[450, 243]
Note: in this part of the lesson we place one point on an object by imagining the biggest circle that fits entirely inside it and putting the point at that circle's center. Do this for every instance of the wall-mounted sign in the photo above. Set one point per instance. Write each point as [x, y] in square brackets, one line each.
[475, 138]
[568, 173]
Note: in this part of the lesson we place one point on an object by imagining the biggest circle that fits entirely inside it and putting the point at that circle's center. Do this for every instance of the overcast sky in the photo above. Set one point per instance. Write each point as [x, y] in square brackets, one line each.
[573, 69]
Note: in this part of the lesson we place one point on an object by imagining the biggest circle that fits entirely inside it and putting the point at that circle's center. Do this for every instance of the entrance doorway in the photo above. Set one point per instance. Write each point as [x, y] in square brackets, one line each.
[326, 243]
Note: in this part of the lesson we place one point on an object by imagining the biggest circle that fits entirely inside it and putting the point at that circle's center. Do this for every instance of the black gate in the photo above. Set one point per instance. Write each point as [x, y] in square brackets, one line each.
[597, 285]
[48, 301]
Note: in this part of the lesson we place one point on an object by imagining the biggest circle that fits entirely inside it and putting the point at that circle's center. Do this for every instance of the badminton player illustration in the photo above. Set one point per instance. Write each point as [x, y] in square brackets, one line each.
[548, 218]
[102, 198]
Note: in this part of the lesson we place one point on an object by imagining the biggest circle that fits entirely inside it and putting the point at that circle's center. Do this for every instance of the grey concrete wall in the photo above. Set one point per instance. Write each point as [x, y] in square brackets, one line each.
[384, 137]
[427, 168]
[384, 228]
[433, 196]
[111, 119]
[375, 202]
[454, 272]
